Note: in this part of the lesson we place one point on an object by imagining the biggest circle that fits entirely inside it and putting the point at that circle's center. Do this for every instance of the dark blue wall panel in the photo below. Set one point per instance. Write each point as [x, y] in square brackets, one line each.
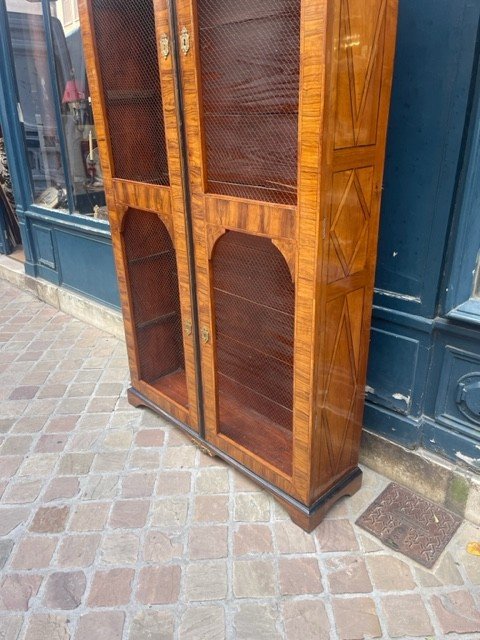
[419, 361]
[452, 405]
[87, 266]
[43, 242]
[400, 359]
[433, 69]
[392, 386]
[457, 402]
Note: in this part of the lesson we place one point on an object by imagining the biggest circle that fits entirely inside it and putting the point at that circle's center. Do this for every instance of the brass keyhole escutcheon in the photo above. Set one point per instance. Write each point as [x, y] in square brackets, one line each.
[185, 41]
[205, 335]
[188, 327]
[164, 45]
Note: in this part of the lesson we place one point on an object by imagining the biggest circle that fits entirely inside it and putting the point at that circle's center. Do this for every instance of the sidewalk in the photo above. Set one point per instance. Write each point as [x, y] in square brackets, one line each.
[114, 526]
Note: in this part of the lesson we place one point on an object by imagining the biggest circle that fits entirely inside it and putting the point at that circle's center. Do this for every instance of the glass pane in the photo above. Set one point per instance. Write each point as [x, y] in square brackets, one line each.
[249, 56]
[127, 52]
[37, 107]
[476, 288]
[85, 172]
[7, 200]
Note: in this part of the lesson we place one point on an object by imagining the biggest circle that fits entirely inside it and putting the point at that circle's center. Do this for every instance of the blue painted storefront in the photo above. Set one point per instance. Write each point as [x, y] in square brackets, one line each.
[73, 251]
[425, 344]
[426, 329]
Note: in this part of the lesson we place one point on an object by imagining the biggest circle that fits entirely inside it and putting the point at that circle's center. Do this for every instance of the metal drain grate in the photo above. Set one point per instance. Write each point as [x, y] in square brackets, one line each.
[410, 524]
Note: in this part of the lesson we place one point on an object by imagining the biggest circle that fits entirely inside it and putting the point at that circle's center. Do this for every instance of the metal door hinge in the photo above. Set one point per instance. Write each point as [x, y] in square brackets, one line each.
[164, 45]
[188, 327]
[205, 335]
[185, 40]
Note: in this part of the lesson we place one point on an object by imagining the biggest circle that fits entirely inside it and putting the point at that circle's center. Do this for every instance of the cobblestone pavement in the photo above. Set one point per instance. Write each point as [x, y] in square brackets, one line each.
[115, 527]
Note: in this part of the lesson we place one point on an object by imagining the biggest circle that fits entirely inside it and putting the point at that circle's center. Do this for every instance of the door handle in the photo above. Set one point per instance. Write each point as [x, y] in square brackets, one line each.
[185, 41]
[188, 327]
[205, 335]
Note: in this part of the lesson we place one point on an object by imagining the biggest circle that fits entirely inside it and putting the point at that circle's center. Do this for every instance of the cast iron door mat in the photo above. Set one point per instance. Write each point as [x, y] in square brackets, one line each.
[410, 524]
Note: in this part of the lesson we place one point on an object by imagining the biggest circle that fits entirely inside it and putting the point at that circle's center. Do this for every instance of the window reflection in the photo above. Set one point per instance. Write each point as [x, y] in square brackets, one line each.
[47, 125]
[77, 119]
[476, 288]
[36, 103]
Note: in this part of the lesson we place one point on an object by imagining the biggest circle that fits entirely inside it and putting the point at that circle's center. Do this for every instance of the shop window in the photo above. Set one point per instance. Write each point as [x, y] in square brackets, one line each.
[54, 106]
[462, 299]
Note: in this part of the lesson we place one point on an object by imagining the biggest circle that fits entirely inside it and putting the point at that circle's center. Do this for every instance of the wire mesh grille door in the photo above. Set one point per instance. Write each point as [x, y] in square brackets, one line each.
[152, 272]
[254, 313]
[249, 56]
[127, 53]
[249, 67]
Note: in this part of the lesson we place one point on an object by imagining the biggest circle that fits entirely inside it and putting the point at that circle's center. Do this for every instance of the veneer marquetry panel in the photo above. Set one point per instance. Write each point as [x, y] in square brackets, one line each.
[142, 196]
[349, 222]
[259, 218]
[361, 35]
[344, 324]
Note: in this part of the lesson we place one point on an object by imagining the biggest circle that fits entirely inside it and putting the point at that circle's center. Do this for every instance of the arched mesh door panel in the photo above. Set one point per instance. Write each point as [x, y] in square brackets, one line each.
[254, 301]
[155, 302]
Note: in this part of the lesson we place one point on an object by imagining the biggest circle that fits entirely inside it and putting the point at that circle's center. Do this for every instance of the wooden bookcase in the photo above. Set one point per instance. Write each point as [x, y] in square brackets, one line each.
[242, 144]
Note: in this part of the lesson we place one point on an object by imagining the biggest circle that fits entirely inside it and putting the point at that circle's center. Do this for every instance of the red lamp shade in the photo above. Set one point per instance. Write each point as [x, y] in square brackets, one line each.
[72, 92]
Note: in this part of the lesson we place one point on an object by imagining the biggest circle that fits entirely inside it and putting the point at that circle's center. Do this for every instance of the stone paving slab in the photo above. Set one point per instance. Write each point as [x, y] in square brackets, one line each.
[113, 526]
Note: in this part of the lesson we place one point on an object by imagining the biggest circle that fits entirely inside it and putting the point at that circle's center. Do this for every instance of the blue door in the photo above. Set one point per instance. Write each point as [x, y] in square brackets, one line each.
[420, 354]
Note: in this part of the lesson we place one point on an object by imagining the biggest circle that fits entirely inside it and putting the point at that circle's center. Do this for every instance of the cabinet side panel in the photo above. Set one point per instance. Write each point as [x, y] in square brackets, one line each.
[359, 75]
[362, 50]
[312, 114]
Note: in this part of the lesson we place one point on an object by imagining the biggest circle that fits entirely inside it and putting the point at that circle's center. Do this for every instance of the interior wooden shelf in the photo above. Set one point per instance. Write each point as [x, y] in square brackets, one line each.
[276, 195]
[129, 95]
[163, 319]
[257, 433]
[158, 179]
[174, 386]
[143, 259]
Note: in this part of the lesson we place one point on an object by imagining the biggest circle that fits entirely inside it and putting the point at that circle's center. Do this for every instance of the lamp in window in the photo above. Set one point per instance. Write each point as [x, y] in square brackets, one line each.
[75, 99]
